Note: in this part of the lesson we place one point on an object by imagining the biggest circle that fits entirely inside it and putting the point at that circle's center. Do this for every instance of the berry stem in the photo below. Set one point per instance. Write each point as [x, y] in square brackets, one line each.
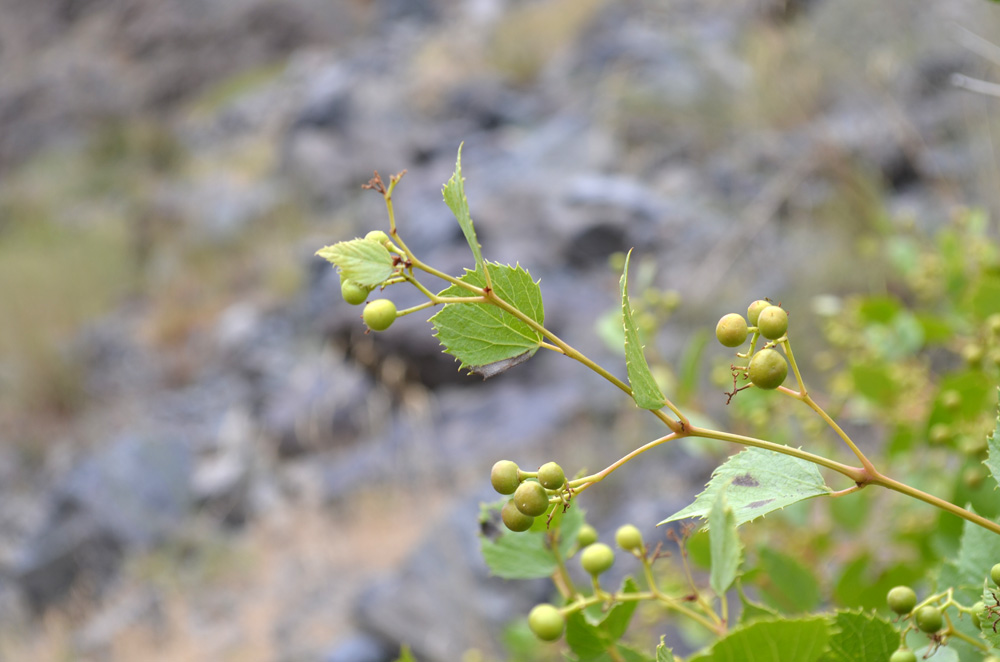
[865, 462]
[580, 484]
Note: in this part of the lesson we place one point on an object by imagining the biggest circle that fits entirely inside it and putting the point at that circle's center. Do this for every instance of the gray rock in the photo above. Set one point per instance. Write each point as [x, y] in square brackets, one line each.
[361, 648]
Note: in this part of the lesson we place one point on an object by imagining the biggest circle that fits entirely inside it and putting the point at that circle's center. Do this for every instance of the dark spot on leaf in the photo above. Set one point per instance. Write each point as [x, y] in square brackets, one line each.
[759, 504]
[746, 480]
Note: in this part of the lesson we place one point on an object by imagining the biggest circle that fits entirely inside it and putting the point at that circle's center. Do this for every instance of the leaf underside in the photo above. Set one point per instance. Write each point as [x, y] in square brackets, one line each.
[759, 482]
[645, 391]
[483, 337]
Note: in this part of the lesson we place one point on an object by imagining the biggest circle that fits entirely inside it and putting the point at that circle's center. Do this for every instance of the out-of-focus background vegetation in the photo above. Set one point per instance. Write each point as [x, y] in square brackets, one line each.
[202, 455]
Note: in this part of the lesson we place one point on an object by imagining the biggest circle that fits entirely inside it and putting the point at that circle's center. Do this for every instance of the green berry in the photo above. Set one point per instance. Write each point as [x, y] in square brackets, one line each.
[531, 498]
[768, 369]
[587, 535]
[901, 599]
[772, 322]
[353, 293]
[939, 433]
[972, 354]
[514, 519]
[731, 330]
[377, 235]
[995, 574]
[505, 477]
[993, 323]
[379, 314]
[951, 399]
[929, 619]
[551, 476]
[903, 655]
[597, 558]
[753, 310]
[978, 609]
[546, 622]
[629, 538]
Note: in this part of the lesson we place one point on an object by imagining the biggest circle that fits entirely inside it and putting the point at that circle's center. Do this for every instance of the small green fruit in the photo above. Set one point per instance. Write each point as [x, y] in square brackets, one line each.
[995, 574]
[531, 498]
[929, 619]
[597, 558]
[587, 535]
[379, 314]
[546, 622]
[629, 538]
[978, 609]
[377, 235]
[353, 293]
[901, 599]
[772, 322]
[551, 476]
[731, 330]
[514, 519]
[939, 433]
[768, 369]
[505, 477]
[972, 354]
[753, 310]
[951, 399]
[903, 655]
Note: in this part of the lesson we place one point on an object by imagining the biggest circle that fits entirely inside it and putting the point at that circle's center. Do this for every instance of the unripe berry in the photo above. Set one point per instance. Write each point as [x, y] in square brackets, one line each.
[995, 574]
[972, 354]
[377, 235]
[629, 538]
[597, 558]
[587, 535]
[379, 314]
[731, 330]
[903, 655]
[753, 310]
[772, 322]
[951, 399]
[901, 599]
[978, 609]
[768, 369]
[514, 519]
[504, 477]
[929, 619]
[353, 293]
[546, 622]
[551, 476]
[939, 433]
[531, 499]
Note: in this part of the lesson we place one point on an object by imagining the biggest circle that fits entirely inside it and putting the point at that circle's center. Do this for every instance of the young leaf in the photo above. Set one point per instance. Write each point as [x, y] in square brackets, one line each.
[483, 337]
[365, 262]
[790, 640]
[645, 392]
[759, 482]
[725, 545]
[861, 636]
[992, 461]
[454, 197]
[664, 654]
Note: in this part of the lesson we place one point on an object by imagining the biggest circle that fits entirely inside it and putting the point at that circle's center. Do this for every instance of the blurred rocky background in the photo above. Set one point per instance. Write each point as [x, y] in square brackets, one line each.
[202, 454]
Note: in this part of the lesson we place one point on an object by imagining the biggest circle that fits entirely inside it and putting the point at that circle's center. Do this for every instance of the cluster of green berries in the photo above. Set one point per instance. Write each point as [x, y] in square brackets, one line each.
[380, 313]
[547, 621]
[529, 498]
[767, 368]
[985, 346]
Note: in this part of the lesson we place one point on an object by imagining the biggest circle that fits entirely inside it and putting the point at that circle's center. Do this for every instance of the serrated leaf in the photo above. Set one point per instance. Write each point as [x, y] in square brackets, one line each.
[363, 261]
[753, 611]
[645, 391]
[978, 550]
[528, 555]
[861, 636]
[664, 654]
[988, 620]
[787, 585]
[725, 545]
[454, 197]
[992, 460]
[484, 337]
[759, 482]
[789, 640]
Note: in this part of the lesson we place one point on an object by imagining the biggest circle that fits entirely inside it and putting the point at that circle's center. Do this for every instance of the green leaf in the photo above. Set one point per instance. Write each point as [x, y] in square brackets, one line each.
[454, 197]
[363, 261]
[725, 544]
[861, 636]
[645, 392]
[405, 655]
[789, 640]
[483, 337]
[978, 550]
[988, 620]
[528, 555]
[584, 639]
[787, 585]
[753, 611]
[759, 482]
[992, 460]
[592, 640]
[664, 654]
[619, 616]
